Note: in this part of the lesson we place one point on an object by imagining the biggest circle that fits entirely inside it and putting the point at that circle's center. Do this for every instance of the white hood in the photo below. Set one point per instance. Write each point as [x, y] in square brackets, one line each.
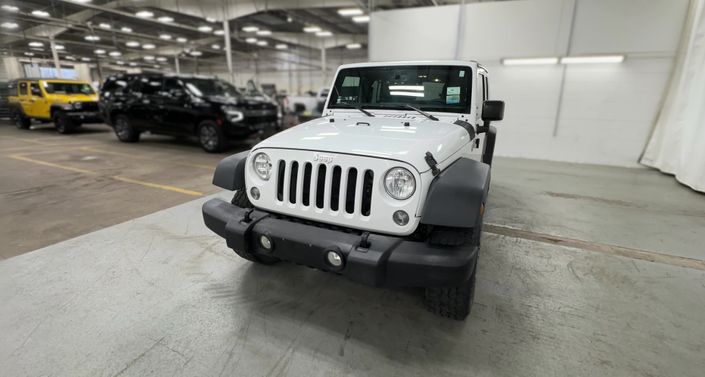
[380, 136]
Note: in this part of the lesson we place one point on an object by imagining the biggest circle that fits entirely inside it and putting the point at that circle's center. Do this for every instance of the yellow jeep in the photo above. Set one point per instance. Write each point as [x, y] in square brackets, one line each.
[67, 103]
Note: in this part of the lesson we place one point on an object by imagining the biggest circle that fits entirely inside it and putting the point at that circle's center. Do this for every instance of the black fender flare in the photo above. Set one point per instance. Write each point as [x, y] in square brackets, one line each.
[457, 195]
[230, 172]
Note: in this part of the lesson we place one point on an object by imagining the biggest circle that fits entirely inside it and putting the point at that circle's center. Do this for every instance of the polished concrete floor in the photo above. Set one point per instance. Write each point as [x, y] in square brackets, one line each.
[584, 270]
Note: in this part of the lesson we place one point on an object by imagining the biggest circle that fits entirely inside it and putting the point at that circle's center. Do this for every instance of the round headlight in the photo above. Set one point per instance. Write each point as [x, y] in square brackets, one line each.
[399, 183]
[262, 165]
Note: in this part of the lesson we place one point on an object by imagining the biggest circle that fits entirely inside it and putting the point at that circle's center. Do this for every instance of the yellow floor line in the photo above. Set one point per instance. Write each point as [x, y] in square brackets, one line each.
[59, 166]
[28, 140]
[92, 149]
[156, 185]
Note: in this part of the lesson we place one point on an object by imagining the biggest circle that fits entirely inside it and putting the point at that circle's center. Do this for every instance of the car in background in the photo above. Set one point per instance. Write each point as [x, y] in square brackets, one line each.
[67, 103]
[181, 105]
[310, 104]
[4, 100]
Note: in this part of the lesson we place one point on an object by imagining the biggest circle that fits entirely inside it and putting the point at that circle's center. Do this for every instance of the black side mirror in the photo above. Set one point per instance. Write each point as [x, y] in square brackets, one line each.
[492, 111]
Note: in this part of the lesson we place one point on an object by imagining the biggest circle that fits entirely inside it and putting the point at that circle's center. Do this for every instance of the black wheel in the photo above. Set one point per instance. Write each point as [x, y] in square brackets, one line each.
[241, 200]
[453, 302]
[124, 131]
[211, 137]
[63, 124]
[21, 121]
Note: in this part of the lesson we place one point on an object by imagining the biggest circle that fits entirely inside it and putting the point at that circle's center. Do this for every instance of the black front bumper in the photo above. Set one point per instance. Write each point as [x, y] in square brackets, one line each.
[388, 261]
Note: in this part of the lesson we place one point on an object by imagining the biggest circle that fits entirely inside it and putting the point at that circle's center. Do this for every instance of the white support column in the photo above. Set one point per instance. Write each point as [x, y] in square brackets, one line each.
[55, 55]
[228, 50]
[323, 67]
[177, 66]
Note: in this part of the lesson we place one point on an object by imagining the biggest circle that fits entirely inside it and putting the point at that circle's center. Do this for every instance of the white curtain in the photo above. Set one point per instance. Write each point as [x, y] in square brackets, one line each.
[677, 145]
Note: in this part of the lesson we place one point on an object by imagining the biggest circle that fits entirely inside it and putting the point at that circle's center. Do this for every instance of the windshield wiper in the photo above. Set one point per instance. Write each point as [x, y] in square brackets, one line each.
[427, 115]
[359, 108]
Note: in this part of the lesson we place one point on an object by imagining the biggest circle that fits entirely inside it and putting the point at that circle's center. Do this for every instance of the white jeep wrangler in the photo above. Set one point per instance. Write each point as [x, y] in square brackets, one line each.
[382, 188]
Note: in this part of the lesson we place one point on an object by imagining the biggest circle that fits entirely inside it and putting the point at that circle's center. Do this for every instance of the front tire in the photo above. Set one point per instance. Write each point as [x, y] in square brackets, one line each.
[211, 137]
[63, 124]
[21, 121]
[453, 302]
[241, 200]
[124, 130]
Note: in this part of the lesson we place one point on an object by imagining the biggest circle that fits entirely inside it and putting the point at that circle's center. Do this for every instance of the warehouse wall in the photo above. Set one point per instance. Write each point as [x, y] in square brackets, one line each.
[589, 113]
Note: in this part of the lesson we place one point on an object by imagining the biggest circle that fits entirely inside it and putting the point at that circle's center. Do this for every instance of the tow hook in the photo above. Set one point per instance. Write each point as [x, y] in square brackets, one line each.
[364, 242]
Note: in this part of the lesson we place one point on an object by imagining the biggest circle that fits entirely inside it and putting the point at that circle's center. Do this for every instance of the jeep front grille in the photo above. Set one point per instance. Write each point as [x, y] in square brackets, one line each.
[332, 187]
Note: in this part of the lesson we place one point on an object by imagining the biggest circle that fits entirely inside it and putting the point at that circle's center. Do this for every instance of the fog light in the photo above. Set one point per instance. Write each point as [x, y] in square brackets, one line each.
[254, 192]
[401, 218]
[334, 259]
[266, 242]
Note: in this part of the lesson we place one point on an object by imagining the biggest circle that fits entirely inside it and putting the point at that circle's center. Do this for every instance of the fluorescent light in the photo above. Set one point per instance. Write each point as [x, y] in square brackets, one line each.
[205, 29]
[40, 13]
[149, 58]
[85, 59]
[92, 38]
[132, 44]
[251, 40]
[166, 37]
[148, 46]
[361, 19]
[264, 32]
[353, 46]
[211, 19]
[281, 46]
[324, 33]
[601, 59]
[9, 25]
[250, 29]
[407, 94]
[82, 1]
[126, 29]
[219, 32]
[132, 64]
[59, 47]
[115, 53]
[165, 19]
[181, 40]
[530, 61]
[10, 8]
[29, 53]
[196, 53]
[99, 52]
[144, 14]
[35, 44]
[120, 62]
[312, 29]
[215, 46]
[104, 25]
[262, 43]
[347, 12]
[161, 59]
[69, 57]
[406, 87]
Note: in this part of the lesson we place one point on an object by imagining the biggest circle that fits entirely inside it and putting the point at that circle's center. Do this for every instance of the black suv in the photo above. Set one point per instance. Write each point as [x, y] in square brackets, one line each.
[207, 107]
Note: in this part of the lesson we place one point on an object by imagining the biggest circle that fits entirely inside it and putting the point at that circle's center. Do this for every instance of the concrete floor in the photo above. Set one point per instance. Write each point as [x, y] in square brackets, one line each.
[584, 270]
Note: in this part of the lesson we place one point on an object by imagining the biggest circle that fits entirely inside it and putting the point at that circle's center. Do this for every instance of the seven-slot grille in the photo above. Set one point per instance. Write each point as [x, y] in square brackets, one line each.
[331, 187]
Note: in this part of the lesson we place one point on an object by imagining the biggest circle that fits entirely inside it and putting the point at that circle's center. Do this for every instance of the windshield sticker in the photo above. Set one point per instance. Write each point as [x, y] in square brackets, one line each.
[452, 99]
[453, 90]
[461, 74]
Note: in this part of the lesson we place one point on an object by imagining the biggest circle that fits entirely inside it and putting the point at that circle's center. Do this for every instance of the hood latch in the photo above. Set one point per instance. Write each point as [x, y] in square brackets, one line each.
[432, 163]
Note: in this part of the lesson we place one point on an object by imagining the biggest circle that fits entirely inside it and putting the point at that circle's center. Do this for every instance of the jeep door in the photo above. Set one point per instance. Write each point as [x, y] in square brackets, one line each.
[143, 102]
[38, 103]
[23, 97]
[176, 112]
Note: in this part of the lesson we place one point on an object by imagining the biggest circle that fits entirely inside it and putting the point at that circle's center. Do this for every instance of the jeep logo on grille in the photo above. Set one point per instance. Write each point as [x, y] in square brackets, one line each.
[322, 158]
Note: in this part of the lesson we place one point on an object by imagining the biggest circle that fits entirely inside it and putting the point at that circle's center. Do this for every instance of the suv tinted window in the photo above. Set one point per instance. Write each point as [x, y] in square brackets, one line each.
[23, 88]
[171, 84]
[34, 88]
[115, 85]
[150, 85]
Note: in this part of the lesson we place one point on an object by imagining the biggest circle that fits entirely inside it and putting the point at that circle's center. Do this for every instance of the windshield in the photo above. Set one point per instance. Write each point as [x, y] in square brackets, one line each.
[67, 88]
[210, 87]
[425, 87]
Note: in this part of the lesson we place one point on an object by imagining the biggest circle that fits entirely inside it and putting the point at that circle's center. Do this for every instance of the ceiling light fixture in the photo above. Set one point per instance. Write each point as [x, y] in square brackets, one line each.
[148, 46]
[181, 40]
[82, 1]
[35, 44]
[195, 53]
[281, 46]
[126, 29]
[251, 40]
[9, 25]
[215, 46]
[348, 12]
[361, 19]
[85, 59]
[219, 32]
[104, 25]
[166, 37]
[59, 47]
[149, 58]
[161, 59]
[144, 14]
[205, 29]
[132, 44]
[99, 52]
[353, 46]
[29, 53]
[264, 32]
[311, 29]
[250, 29]
[262, 43]
[132, 64]
[10, 8]
[69, 57]
[324, 33]
[530, 61]
[115, 53]
[92, 38]
[40, 13]
[596, 59]
[165, 19]
[211, 19]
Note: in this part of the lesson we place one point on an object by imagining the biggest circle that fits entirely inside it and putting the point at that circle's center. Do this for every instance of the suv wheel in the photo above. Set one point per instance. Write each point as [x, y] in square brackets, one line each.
[22, 122]
[453, 302]
[241, 200]
[124, 131]
[62, 123]
[211, 137]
